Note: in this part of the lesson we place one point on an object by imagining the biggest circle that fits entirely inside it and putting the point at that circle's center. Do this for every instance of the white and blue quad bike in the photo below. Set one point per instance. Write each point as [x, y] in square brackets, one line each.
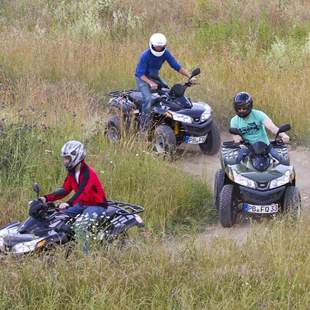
[175, 118]
[47, 227]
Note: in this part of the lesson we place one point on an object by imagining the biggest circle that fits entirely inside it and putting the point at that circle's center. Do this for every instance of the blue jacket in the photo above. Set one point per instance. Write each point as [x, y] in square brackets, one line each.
[150, 65]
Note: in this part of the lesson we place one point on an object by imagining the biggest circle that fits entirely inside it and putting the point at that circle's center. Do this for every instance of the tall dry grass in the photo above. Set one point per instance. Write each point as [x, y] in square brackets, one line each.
[269, 271]
[58, 59]
[35, 67]
[30, 153]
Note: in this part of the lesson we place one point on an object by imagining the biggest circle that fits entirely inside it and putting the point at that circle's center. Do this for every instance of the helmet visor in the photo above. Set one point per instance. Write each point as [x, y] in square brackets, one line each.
[242, 109]
[159, 48]
[66, 161]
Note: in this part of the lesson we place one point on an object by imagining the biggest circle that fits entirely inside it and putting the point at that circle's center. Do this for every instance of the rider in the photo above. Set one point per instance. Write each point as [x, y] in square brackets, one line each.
[148, 67]
[252, 124]
[89, 199]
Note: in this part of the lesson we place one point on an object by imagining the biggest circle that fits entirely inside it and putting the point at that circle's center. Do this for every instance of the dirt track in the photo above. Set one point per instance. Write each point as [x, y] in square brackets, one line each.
[201, 166]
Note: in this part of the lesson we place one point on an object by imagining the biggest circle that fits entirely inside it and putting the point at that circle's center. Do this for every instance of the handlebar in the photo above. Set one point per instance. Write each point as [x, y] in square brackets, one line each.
[190, 83]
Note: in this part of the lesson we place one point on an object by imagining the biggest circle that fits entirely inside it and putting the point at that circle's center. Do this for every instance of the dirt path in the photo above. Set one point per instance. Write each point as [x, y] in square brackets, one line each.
[201, 166]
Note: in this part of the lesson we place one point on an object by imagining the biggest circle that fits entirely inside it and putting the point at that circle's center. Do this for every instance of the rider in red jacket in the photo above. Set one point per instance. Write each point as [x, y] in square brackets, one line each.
[88, 189]
[89, 199]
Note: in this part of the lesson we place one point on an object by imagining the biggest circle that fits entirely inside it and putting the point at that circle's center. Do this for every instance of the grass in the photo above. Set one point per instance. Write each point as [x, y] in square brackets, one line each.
[265, 52]
[57, 61]
[129, 173]
[191, 273]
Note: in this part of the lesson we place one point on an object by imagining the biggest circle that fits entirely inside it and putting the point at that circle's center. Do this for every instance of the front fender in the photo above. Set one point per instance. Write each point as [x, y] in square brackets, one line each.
[12, 224]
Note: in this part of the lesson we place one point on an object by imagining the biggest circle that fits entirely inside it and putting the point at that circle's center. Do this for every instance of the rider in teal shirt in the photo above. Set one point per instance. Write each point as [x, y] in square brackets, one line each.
[252, 124]
[252, 127]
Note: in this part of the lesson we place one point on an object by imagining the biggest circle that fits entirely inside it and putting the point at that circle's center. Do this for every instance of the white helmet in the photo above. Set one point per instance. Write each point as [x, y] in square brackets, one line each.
[75, 150]
[158, 40]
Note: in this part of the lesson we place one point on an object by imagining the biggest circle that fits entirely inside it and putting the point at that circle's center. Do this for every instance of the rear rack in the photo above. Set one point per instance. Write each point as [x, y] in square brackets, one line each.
[125, 207]
[118, 93]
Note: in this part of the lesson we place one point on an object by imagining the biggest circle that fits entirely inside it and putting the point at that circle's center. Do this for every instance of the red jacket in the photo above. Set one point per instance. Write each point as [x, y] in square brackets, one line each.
[88, 192]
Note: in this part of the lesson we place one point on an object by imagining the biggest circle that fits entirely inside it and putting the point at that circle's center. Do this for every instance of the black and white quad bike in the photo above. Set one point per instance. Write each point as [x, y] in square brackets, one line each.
[175, 119]
[48, 227]
[260, 184]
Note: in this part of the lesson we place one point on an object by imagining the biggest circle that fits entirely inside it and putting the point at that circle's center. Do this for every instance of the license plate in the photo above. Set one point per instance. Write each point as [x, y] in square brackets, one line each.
[195, 140]
[268, 209]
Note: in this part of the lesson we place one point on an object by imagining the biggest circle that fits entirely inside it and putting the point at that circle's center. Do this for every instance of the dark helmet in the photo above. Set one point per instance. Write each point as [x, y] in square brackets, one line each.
[243, 100]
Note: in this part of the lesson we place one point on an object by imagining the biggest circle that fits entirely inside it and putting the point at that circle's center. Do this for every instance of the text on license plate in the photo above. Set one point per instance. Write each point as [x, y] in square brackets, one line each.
[195, 140]
[273, 208]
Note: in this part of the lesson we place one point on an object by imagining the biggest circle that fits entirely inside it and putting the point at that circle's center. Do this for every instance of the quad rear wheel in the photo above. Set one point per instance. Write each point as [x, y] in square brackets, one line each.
[113, 129]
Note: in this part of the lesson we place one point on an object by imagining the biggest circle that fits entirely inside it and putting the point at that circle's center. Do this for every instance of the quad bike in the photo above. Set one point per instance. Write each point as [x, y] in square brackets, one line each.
[259, 184]
[48, 227]
[175, 119]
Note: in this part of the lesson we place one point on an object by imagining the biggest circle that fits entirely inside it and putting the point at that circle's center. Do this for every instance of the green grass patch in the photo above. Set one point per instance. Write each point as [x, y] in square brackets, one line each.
[129, 173]
[270, 270]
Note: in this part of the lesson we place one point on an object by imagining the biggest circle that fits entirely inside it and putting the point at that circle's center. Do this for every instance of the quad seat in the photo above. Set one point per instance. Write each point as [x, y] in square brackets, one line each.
[137, 97]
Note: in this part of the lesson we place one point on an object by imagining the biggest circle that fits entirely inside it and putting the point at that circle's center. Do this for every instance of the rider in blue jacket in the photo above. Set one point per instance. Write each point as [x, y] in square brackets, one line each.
[148, 67]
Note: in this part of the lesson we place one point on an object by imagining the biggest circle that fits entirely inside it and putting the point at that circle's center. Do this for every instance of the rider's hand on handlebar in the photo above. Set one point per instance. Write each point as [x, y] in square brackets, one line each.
[237, 139]
[63, 206]
[43, 199]
[193, 80]
[284, 137]
[153, 85]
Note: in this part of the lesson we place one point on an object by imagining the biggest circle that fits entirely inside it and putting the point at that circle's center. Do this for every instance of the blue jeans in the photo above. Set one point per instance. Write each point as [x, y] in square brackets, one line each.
[88, 216]
[145, 89]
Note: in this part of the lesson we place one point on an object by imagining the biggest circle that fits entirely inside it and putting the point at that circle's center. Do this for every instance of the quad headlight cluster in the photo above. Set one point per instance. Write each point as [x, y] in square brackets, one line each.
[206, 114]
[180, 117]
[282, 180]
[29, 246]
[244, 181]
[240, 179]
[187, 119]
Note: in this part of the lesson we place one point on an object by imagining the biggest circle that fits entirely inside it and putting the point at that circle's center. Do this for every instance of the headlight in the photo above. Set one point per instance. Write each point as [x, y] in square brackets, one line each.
[26, 247]
[284, 179]
[181, 117]
[206, 114]
[239, 179]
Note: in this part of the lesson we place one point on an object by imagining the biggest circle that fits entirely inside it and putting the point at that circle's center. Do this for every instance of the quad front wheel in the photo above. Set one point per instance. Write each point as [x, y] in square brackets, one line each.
[227, 208]
[292, 202]
[219, 181]
[213, 142]
[164, 140]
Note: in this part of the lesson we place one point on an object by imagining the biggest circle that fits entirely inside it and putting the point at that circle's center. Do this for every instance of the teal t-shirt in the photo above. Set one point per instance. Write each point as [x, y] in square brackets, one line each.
[252, 126]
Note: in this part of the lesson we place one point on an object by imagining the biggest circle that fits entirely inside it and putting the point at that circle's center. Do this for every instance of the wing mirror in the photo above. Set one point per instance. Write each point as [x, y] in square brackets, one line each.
[195, 72]
[36, 188]
[284, 128]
